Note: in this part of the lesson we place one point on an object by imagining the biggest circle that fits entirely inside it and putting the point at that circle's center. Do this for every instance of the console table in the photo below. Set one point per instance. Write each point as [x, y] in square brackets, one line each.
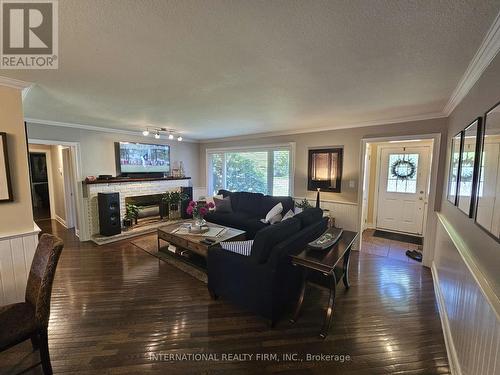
[328, 264]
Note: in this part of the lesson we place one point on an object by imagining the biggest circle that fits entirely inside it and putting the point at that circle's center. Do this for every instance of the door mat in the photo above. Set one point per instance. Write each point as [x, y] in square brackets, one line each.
[398, 237]
[149, 244]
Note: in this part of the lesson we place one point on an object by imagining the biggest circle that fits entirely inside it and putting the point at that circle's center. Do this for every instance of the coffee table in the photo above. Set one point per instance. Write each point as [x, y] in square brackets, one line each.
[191, 242]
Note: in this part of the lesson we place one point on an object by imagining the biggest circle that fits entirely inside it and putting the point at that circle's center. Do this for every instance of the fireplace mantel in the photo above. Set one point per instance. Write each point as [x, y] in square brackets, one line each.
[116, 180]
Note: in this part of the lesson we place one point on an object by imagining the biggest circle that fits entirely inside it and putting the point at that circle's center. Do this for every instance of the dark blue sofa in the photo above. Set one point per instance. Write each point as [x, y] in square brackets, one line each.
[248, 210]
[265, 282]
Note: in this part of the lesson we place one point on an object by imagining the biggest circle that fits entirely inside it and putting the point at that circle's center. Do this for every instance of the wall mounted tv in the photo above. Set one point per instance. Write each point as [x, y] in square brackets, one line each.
[142, 159]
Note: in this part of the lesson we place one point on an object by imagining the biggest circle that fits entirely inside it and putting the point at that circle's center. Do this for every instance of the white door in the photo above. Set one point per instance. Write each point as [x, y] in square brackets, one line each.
[402, 190]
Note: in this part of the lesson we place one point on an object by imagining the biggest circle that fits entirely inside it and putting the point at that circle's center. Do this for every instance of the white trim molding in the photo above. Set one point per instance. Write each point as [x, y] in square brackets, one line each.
[485, 54]
[95, 128]
[14, 83]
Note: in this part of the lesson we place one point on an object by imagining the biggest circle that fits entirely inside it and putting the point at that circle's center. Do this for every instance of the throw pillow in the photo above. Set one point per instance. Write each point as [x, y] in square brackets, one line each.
[276, 219]
[288, 215]
[239, 247]
[211, 199]
[223, 205]
[273, 212]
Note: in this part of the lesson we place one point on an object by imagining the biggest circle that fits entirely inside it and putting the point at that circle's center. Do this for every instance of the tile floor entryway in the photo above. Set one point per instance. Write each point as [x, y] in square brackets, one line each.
[387, 248]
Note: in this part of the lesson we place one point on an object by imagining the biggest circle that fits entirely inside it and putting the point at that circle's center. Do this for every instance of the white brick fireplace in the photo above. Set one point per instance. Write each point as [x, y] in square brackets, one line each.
[125, 189]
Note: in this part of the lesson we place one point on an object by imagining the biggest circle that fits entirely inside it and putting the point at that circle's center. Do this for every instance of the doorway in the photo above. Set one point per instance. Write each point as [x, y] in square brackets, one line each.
[53, 186]
[40, 185]
[395, 197]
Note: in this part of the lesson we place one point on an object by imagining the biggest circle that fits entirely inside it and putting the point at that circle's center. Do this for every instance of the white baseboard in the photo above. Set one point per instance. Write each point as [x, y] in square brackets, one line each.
[445, 324]
[61, 221]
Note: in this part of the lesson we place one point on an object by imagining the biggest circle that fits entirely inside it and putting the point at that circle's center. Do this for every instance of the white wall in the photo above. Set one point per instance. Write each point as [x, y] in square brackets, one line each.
[98, 152]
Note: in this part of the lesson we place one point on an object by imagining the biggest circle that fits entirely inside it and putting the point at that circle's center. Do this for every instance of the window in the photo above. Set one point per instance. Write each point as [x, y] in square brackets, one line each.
[403, 171]
[265, 170]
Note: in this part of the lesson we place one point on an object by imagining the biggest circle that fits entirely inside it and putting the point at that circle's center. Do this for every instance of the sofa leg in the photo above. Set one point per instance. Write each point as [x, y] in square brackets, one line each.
[212, 294]
[44, 352]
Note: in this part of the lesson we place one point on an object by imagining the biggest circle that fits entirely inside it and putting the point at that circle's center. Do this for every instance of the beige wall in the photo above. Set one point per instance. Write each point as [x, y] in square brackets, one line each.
[98, 153]
[15, 217]
[350, 139]
[486, 251]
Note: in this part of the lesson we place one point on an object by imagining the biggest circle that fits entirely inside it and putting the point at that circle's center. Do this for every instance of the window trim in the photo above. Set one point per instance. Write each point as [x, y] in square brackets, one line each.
[268, 147]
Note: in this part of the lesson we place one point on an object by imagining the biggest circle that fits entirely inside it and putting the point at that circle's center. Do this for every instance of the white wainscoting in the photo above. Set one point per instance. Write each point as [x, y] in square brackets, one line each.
[469, 309]
[16, 254]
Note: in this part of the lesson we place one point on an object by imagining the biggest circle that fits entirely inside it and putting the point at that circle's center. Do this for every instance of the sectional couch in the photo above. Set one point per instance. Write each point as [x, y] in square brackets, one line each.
[248, 210]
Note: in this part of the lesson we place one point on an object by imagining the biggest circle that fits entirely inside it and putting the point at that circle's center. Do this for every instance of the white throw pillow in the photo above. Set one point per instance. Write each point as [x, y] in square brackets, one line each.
[288, 215]
[276, 219]
[273, 212]
[211, 199]
[239, 247]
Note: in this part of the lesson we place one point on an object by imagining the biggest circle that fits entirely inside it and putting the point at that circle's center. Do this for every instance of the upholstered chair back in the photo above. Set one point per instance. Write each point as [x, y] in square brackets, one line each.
[41, 277]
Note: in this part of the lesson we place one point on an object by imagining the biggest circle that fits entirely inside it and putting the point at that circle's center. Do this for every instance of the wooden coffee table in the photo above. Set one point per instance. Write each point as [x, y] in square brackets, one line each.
[191, 242]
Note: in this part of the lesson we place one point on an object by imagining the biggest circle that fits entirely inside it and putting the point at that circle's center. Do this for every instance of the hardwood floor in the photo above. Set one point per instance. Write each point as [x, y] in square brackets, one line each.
[114, 305]
[387, 248]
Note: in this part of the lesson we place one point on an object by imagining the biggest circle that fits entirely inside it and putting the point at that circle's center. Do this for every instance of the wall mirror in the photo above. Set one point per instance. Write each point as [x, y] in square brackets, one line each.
[325, 170]
[454, 168]
[468, 168]
[488, 192]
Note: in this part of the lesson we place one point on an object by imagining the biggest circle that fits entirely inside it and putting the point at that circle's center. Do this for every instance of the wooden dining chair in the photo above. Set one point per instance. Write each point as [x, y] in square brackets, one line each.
[30, 319]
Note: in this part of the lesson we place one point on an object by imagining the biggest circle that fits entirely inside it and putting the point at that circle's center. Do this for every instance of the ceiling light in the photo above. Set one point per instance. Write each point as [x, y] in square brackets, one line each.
[179, 138]
[170, 136]
[157, 135]
[145, 132]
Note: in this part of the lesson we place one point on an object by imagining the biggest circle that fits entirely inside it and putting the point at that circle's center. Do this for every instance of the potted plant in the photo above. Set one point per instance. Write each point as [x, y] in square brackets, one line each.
[164, 205]
[302, 205]
[175, 198]
[199, 210]
[131, 214]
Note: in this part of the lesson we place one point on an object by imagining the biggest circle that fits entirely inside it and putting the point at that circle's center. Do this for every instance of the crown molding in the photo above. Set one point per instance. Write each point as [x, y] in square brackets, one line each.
[399, 120]
[14, 83]
[485, 54]
[91, 128]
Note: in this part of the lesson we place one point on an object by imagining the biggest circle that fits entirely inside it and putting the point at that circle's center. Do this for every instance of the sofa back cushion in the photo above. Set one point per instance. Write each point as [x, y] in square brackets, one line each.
[269, 202]
[267, 238]
[244, 202]
[309, 216]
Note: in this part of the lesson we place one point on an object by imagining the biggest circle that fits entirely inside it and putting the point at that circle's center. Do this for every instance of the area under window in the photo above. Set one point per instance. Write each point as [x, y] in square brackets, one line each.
[264, 170]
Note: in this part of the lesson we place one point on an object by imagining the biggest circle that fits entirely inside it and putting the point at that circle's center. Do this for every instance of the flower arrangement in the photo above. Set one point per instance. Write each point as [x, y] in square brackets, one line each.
[198, 209]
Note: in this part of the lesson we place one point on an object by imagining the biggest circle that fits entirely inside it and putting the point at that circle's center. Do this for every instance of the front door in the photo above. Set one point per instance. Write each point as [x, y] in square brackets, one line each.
[402, 190]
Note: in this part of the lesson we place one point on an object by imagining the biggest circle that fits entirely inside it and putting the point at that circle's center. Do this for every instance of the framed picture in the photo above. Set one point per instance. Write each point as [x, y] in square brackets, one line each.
[325, 169]
[469, 167]
[456, 144]
[5, 183]
[488, 190]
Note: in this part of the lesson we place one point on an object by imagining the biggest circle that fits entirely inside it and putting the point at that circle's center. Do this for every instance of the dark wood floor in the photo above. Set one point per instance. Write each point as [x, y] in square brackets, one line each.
[114, 305]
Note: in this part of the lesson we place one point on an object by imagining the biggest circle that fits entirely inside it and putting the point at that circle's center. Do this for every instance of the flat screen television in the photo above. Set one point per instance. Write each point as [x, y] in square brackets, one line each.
[142, 159]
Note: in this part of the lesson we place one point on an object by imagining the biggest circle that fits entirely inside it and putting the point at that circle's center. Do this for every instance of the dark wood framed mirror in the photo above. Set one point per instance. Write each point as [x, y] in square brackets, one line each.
[325, 169]
[469, 167]
[487, 213]
[454, 169]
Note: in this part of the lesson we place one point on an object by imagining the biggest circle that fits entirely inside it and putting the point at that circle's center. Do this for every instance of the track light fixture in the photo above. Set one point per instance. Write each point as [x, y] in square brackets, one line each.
[157, 133]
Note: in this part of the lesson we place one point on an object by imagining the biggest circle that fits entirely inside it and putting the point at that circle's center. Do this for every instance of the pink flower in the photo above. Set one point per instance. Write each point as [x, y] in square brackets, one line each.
[203, 211]
[211, 205]
[192, 203]
[189, 210]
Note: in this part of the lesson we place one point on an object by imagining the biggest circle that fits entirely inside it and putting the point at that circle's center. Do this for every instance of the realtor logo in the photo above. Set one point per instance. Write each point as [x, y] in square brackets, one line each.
[29, 34]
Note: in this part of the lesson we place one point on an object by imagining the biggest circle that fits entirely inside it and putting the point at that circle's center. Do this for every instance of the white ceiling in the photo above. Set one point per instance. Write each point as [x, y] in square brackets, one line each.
[225, 68]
